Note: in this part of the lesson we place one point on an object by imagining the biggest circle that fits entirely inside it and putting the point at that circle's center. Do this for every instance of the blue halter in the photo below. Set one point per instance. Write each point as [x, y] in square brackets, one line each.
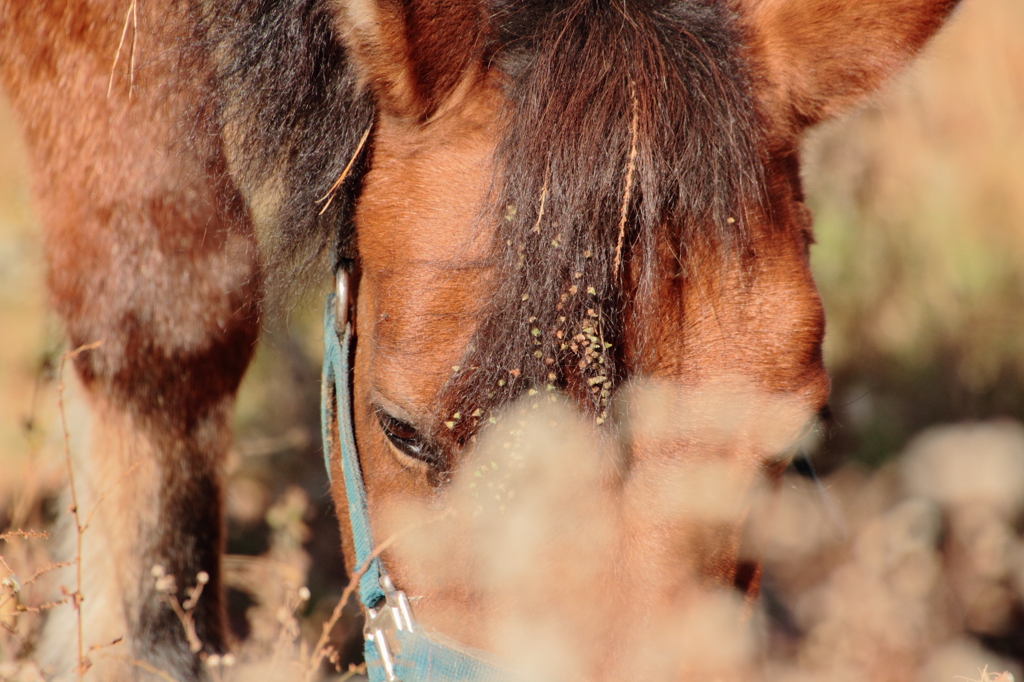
[395, 647]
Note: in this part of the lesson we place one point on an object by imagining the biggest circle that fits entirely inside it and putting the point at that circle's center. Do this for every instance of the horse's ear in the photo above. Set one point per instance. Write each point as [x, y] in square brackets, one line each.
[818, 58]
[411, 53]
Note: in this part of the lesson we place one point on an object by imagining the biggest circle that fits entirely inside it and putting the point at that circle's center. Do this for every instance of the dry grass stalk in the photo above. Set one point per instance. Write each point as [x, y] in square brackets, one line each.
[985, 676]
[24, 534]
[133, 15]
[103, 495]
[142, 665]
[167, 587]
[630, 168]
[75, 596]
[329, 197]
[543, 199]
[322, 650]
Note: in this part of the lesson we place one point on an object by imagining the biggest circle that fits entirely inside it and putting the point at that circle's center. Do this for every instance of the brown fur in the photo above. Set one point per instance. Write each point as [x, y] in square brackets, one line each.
[150, 252]
[818, 58]
[438, 42]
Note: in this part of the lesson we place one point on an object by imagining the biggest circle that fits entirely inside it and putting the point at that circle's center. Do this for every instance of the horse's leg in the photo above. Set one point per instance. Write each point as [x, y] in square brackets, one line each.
[151, 253]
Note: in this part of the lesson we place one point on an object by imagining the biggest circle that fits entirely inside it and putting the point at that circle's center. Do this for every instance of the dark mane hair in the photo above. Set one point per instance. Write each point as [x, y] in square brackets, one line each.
[293, 118]
[628, 123]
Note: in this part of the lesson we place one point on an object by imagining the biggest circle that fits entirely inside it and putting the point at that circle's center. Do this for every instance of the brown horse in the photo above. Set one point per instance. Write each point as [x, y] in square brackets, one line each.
[596, 200]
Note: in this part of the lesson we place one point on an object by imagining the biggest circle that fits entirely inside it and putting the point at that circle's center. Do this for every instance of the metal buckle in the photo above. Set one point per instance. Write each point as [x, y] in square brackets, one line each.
[392, 615]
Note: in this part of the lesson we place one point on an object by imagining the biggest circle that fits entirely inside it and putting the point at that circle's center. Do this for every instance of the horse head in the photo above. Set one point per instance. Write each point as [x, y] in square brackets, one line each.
[584, 321]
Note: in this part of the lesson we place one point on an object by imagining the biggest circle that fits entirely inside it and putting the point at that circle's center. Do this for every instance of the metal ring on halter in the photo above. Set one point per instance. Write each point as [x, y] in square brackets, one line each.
[341, 287]
[391, 616]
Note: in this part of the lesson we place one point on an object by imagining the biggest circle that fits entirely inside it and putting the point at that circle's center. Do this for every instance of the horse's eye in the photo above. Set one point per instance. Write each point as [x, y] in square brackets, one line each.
[407, 440]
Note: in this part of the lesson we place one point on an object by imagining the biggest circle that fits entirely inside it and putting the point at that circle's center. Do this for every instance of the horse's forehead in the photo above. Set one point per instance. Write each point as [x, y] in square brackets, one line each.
[423, 197]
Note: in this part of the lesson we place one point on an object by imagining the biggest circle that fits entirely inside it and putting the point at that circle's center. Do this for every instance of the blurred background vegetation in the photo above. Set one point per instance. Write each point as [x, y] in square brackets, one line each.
[919, 206]
[919, 217]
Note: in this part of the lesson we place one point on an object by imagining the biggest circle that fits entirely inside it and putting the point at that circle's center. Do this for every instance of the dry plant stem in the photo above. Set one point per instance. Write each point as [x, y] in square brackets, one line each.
[13, 632]
[329, 197]
[352, 671]
[103, 495]
[43, 607]
[100, 647]
[289, 631]
[543, 198]
[630, 167]
[10, 571]
[23, 534]
[143, 666]
[132, 14]
[135, 42]
[76, 597]
[185, 616]
[985, 676]
[320, 650]
[46, 569]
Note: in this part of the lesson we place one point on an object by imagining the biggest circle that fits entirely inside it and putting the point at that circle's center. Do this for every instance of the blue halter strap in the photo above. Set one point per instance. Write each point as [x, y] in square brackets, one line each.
[395, 647]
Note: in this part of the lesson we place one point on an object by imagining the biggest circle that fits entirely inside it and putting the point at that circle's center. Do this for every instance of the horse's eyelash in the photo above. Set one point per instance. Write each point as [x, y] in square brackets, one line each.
[413, 445]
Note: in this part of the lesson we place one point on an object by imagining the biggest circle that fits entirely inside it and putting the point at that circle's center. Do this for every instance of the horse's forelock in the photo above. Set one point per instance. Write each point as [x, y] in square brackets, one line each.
[626, 125]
